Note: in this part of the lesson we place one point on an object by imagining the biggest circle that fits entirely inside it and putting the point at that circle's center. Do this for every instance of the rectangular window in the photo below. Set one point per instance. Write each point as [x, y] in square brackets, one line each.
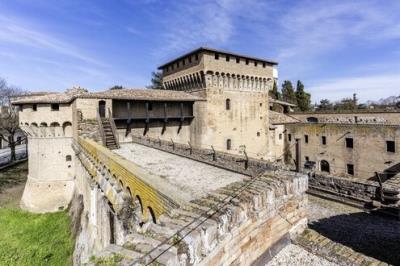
[390, 146]
[350, 169]
[264, 65]
[349, 143]
[190, 59]
[306, 138]
[55, 107]
[280, 136]
[227, 58]
[247, 61]
[21, 108]
[307, 158]
[216, 56]
[34, 107]
[289, 137]
[196, 57]
[183, 62]
[177, 64]
[237, 60]
[228, 144]
[323, 139]
[255, 63]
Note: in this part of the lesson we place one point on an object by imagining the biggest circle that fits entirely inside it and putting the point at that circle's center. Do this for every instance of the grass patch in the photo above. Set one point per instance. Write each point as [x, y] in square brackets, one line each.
[35, 239]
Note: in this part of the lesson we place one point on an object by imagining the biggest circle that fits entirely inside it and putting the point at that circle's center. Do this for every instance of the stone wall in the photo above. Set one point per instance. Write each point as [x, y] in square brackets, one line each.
[224, 160]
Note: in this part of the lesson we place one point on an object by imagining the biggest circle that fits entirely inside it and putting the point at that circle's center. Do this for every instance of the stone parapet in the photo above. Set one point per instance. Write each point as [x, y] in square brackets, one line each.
[241, 164]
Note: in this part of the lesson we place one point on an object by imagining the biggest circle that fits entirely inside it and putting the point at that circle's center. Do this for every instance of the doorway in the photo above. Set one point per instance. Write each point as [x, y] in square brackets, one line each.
[102, 109]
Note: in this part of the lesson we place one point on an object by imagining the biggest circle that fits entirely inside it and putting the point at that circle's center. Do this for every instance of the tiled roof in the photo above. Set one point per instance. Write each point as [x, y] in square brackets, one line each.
[276, 118]
[123, 94]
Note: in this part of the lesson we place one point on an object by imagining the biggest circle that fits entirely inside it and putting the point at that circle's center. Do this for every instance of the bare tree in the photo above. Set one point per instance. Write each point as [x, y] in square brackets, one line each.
[9, 116]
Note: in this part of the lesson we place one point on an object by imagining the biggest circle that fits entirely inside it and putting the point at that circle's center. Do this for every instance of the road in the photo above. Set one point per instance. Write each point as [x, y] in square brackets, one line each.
[5, 154]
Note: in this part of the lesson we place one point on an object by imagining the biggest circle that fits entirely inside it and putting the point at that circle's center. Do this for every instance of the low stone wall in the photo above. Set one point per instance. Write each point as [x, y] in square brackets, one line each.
[234, 225]
[252, 167]
[358, 192]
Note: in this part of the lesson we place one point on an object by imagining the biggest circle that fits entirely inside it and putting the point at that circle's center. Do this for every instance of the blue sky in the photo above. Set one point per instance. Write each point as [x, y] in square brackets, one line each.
[335, 47]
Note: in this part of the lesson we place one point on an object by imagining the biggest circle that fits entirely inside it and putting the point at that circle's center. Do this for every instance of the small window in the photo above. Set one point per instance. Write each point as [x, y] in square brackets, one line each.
[264, 65]
[150, 106]
[350, 169]
[172, 67]
[227, 58]
[21, 108]
[183, 62]
[68, 158]
[255, 63]
[260, 104]
[237, 60]
[216, 56]
[280, 136]
[55, 107]
[34, 107]
[307, 158]
[247, 61]
[289, 136]
[306, 138]
[190, 59]
[258, 134]
[349, 143]
[177, 64]
[228, 144]
[196, 57]
[390, 146]
[323, 139]
[228, 104]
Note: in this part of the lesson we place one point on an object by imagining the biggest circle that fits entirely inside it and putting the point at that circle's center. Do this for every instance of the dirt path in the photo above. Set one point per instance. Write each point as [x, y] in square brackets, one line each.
[12, 183]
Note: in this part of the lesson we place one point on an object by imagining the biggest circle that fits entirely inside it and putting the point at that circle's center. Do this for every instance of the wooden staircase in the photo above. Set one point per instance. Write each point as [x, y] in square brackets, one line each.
[110, 139]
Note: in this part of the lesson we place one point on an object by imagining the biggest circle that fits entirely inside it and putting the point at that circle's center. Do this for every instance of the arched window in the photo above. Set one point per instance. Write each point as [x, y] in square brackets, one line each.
[228, 144]
[228, 104]
[325, 166]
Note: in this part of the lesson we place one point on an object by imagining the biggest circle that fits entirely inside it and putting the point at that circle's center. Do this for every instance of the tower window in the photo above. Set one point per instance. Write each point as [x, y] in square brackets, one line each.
[306, 138]
[228, 144]
[237, 60]
[216, 56]
[247, 61]
[264, 65]
[258, 134]
[350, 169]
[390, 146]
[228, 104]
[68, 158]
[349, 143]
[227, 58]
[34, 107]
[55, 107]
[289, 137]
[255, 63]
[323, 139]
[280, 136]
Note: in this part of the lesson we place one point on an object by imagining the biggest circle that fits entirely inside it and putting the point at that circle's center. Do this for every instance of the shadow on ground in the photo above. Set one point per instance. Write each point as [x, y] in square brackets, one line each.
[370, 234]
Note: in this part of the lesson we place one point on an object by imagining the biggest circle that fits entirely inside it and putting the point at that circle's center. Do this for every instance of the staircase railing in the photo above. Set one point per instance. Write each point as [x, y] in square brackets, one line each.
[113, 127]
[101, 129]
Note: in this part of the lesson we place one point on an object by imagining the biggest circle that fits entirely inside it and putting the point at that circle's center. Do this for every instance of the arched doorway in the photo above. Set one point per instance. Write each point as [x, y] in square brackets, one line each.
[325, 166]
[102, 108]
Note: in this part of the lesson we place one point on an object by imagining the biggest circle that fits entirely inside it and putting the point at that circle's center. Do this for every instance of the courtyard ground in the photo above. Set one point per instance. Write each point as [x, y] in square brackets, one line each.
[27, 238]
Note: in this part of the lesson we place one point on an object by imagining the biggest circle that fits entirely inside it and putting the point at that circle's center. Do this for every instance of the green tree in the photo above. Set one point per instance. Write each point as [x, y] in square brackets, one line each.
[274, 93]
[346, 104]
[303, 99]
[117, 87]
[156, 80]
[325, 104]
[288, 93]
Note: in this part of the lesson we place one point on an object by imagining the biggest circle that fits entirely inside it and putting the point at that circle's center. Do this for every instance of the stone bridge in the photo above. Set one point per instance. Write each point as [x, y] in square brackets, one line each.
[223, 218]
[123, 181]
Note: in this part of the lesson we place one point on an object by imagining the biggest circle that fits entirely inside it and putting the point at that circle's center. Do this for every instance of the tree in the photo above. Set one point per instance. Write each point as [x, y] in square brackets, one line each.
[117, 87]
[156, 80]
[325, 104]
[288, 94]
[346, 104]
[274, 93]
[303, 98]
[9, 125]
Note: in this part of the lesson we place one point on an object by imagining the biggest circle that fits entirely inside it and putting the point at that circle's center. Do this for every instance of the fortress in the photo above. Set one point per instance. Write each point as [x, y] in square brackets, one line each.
[180, 176]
